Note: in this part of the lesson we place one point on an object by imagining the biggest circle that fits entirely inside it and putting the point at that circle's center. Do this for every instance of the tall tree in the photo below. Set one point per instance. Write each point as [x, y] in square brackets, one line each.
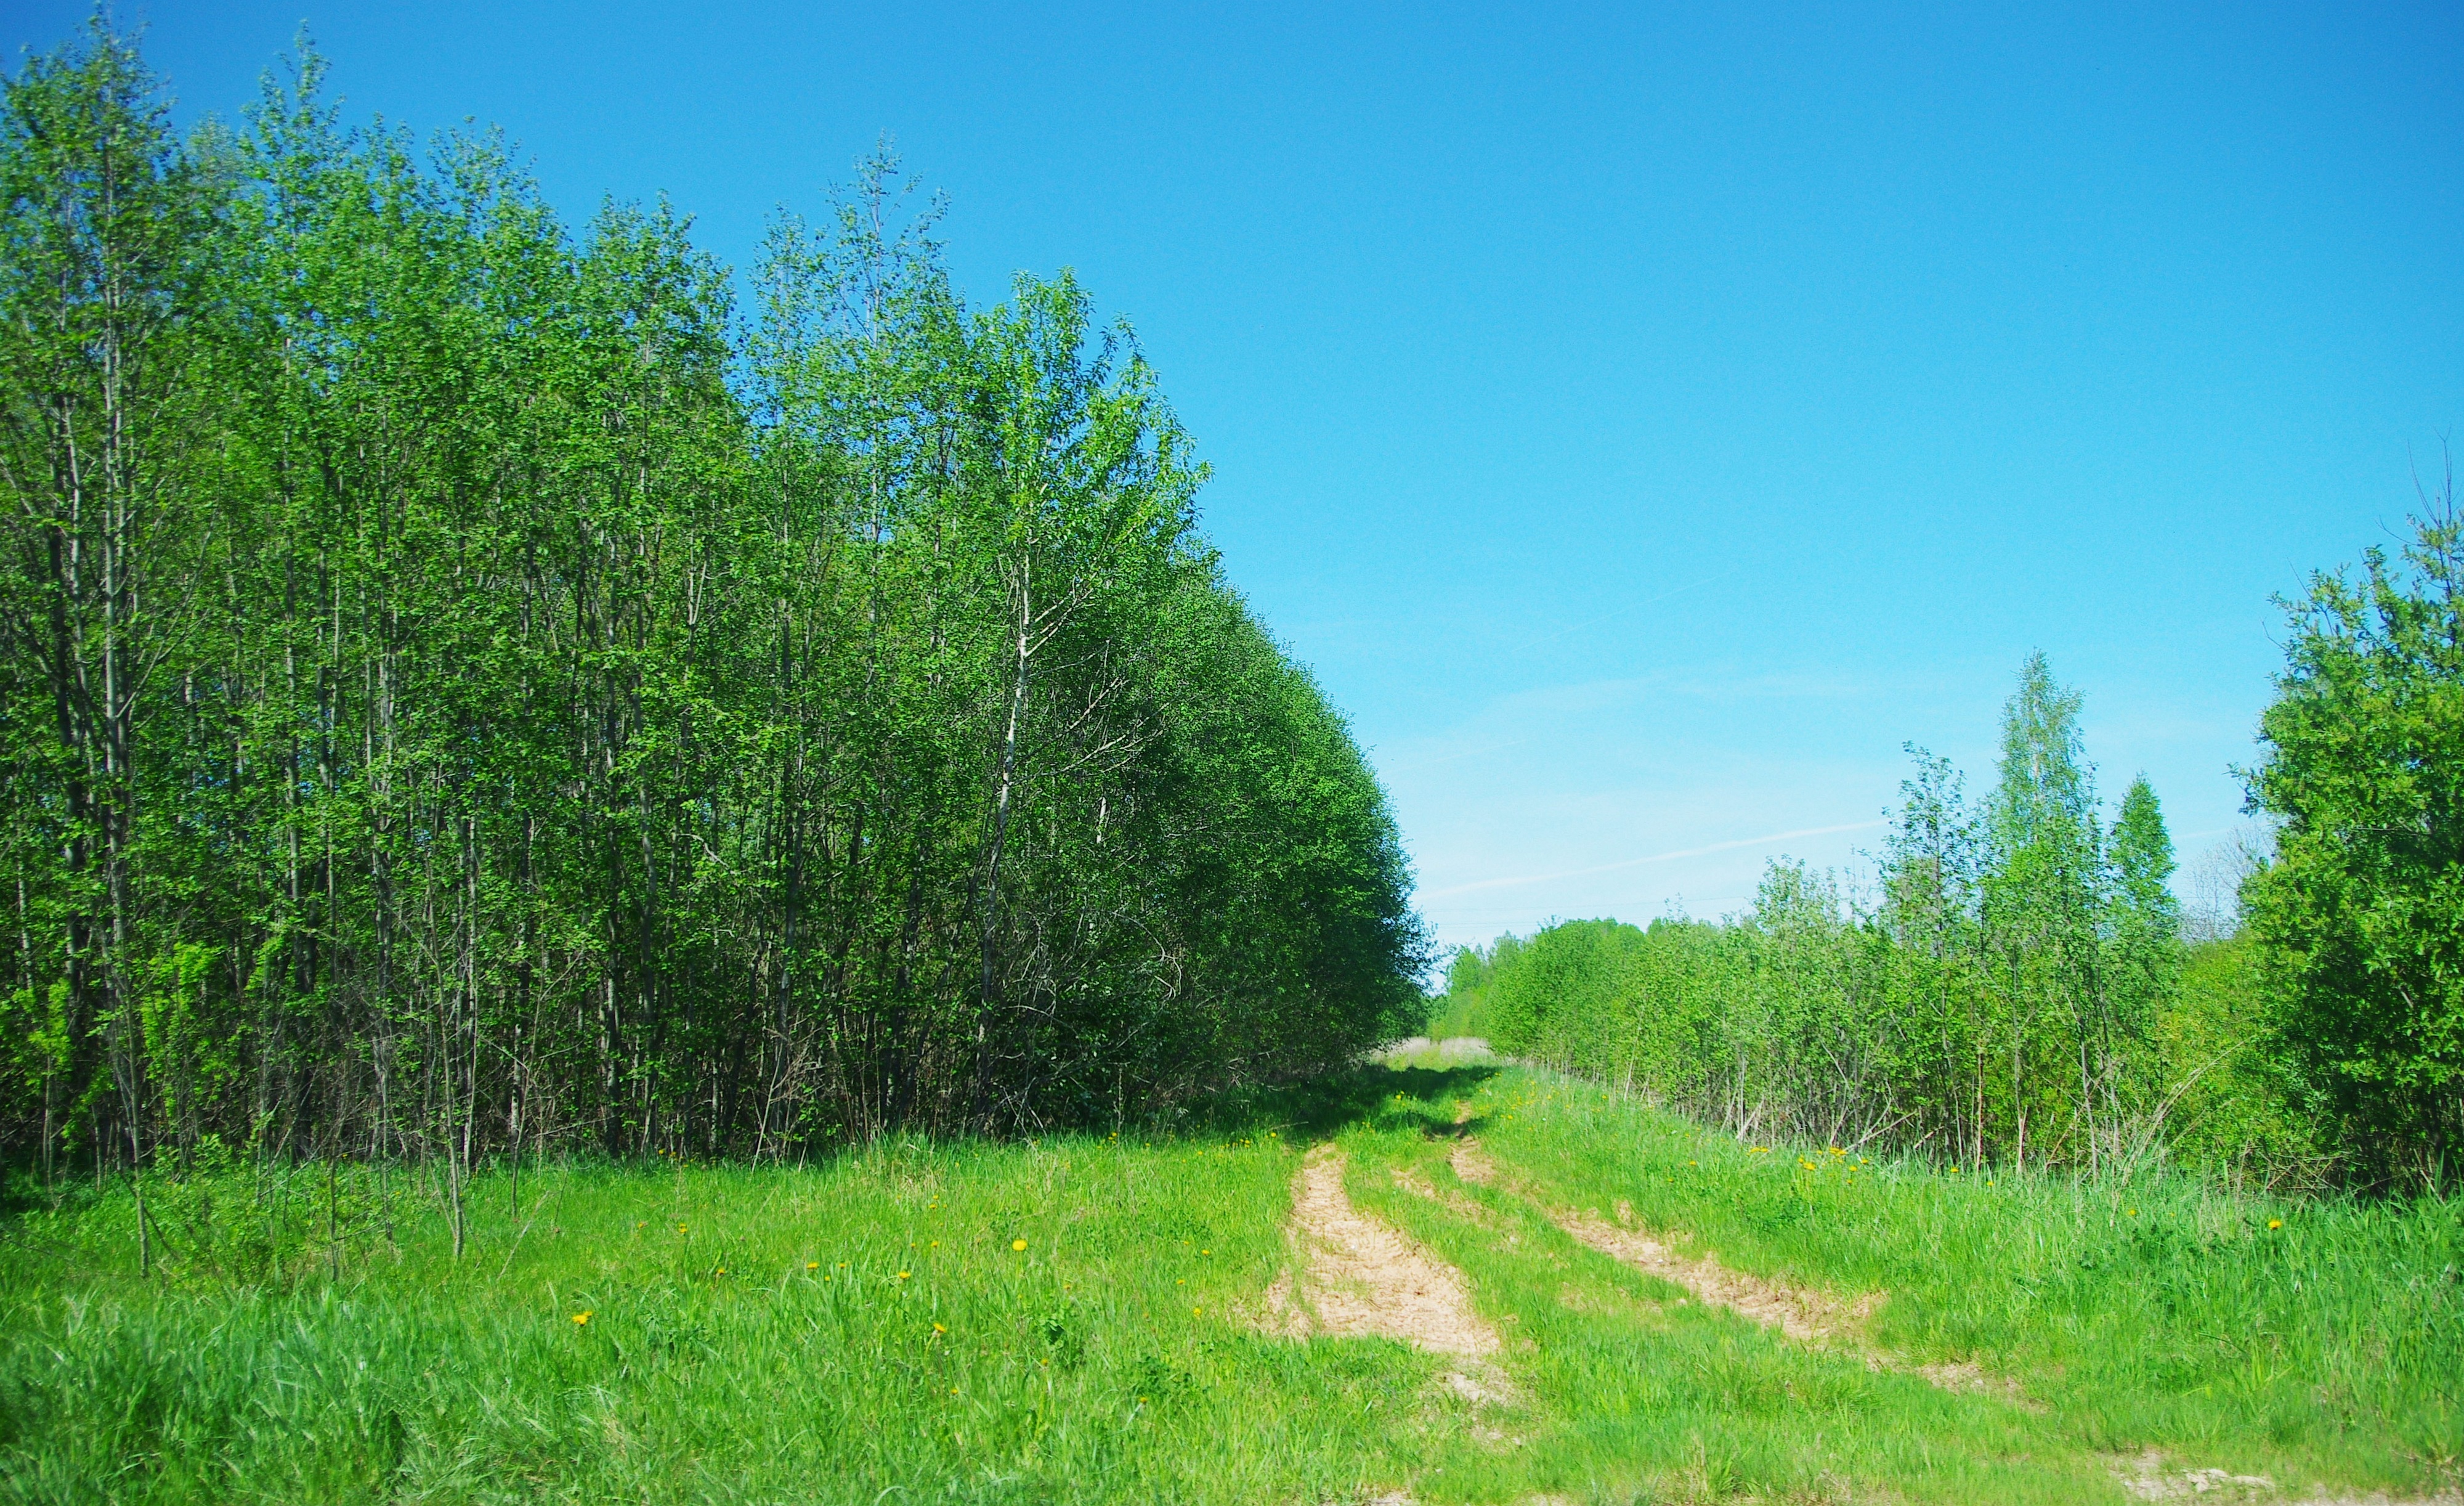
[2041, 907]
[2361, 914]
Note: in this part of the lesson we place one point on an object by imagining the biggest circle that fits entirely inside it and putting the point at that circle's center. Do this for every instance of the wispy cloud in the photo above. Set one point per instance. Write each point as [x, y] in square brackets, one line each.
[1656, 858]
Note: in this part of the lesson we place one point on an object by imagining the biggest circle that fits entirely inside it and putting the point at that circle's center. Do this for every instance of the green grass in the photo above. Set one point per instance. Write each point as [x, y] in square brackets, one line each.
[751, 1337]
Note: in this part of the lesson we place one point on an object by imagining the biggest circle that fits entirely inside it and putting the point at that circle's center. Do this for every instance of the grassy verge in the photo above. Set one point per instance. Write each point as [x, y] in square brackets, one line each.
[870, 1329]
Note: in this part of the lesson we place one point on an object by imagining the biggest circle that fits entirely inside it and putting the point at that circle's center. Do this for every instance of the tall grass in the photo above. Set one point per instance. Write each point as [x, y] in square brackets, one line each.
[2322, 1336]
[842, 1333]
[868, 1329]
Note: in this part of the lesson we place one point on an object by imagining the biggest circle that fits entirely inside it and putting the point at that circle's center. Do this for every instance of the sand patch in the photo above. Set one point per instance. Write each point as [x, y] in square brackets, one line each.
[1358, 1277]
[1809, 1317]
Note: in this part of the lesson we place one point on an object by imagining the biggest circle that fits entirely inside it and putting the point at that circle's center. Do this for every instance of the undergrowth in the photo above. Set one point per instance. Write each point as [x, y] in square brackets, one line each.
[1074, 1320]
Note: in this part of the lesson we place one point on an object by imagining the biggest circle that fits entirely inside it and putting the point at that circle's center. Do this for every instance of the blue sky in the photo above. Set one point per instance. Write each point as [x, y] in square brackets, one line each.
[1644, 421]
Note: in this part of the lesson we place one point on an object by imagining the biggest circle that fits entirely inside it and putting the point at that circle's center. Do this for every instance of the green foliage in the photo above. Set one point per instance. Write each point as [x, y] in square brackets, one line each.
[464, 684]
[2361, 912]
[2313, 1339]
[748, 1326]
[1462, 1009]
[2235, 1106]
[2000, 998]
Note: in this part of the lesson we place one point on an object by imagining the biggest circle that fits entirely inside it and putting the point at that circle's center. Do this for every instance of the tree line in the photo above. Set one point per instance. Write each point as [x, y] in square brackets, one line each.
[468, 684]
[2016, 990]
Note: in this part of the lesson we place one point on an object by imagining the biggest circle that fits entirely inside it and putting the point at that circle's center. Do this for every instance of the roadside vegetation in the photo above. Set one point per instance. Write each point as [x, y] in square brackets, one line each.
[2015, 988]
[622, 883]
[1086, 1318]
[469, 683]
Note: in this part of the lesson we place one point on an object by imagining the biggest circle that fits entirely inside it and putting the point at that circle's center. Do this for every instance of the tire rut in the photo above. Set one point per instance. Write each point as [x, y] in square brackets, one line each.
[1810, 1317]
[1358, 1277]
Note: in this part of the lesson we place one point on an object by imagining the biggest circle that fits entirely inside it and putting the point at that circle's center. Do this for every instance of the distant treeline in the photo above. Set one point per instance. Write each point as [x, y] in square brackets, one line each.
[468, 684]
[2016, 990]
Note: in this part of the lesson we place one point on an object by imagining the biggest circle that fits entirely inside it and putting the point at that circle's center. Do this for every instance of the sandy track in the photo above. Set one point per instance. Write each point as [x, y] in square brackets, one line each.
[1360, 1277]
[1802, 1315]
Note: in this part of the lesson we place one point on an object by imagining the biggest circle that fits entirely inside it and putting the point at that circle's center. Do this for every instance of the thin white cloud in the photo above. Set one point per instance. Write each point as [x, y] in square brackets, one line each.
[1656, 858]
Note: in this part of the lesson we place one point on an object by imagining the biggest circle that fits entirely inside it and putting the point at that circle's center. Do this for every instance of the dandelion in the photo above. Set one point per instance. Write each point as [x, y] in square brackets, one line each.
[2276, 1223]
[1018, 1244]
[2130, 1212]
[940, 1328]
[581, 1318]
[902, 1275]
[812, 1265]
[1195, 1310]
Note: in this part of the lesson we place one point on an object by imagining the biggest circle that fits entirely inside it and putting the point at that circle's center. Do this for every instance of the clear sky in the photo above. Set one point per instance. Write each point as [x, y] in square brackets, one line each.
[1644, 421]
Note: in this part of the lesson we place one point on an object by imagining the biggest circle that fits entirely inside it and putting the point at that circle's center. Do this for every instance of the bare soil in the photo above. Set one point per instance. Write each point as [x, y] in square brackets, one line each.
[1357, 1276]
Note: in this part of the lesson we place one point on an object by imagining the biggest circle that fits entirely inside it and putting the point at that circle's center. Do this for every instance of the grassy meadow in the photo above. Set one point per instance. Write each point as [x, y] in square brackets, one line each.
[1077, 1319]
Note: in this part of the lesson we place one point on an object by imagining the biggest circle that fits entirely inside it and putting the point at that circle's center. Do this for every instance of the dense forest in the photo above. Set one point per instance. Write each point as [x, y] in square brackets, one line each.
[2016, 988]
[467, 683]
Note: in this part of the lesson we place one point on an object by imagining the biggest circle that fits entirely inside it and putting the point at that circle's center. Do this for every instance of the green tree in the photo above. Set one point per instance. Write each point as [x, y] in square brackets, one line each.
[2361, 914]
[2041, 913]
[463, 690]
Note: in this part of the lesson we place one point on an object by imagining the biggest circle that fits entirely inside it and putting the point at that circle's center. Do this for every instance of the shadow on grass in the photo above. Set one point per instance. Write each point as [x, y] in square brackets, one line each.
[1417, 1098]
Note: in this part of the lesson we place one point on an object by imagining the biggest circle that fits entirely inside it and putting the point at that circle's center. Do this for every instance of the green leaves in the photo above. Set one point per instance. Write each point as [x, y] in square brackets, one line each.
[1994, 999]
[2361, 912]
[550, 710]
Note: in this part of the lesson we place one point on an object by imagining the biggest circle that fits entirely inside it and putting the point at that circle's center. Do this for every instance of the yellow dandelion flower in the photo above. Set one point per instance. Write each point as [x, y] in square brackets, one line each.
[1195, 1310]
[2276, 1223]
[940, 1328]
[902, 1275]
[1018, 1244]
[812, 1265]
[580, 1319]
